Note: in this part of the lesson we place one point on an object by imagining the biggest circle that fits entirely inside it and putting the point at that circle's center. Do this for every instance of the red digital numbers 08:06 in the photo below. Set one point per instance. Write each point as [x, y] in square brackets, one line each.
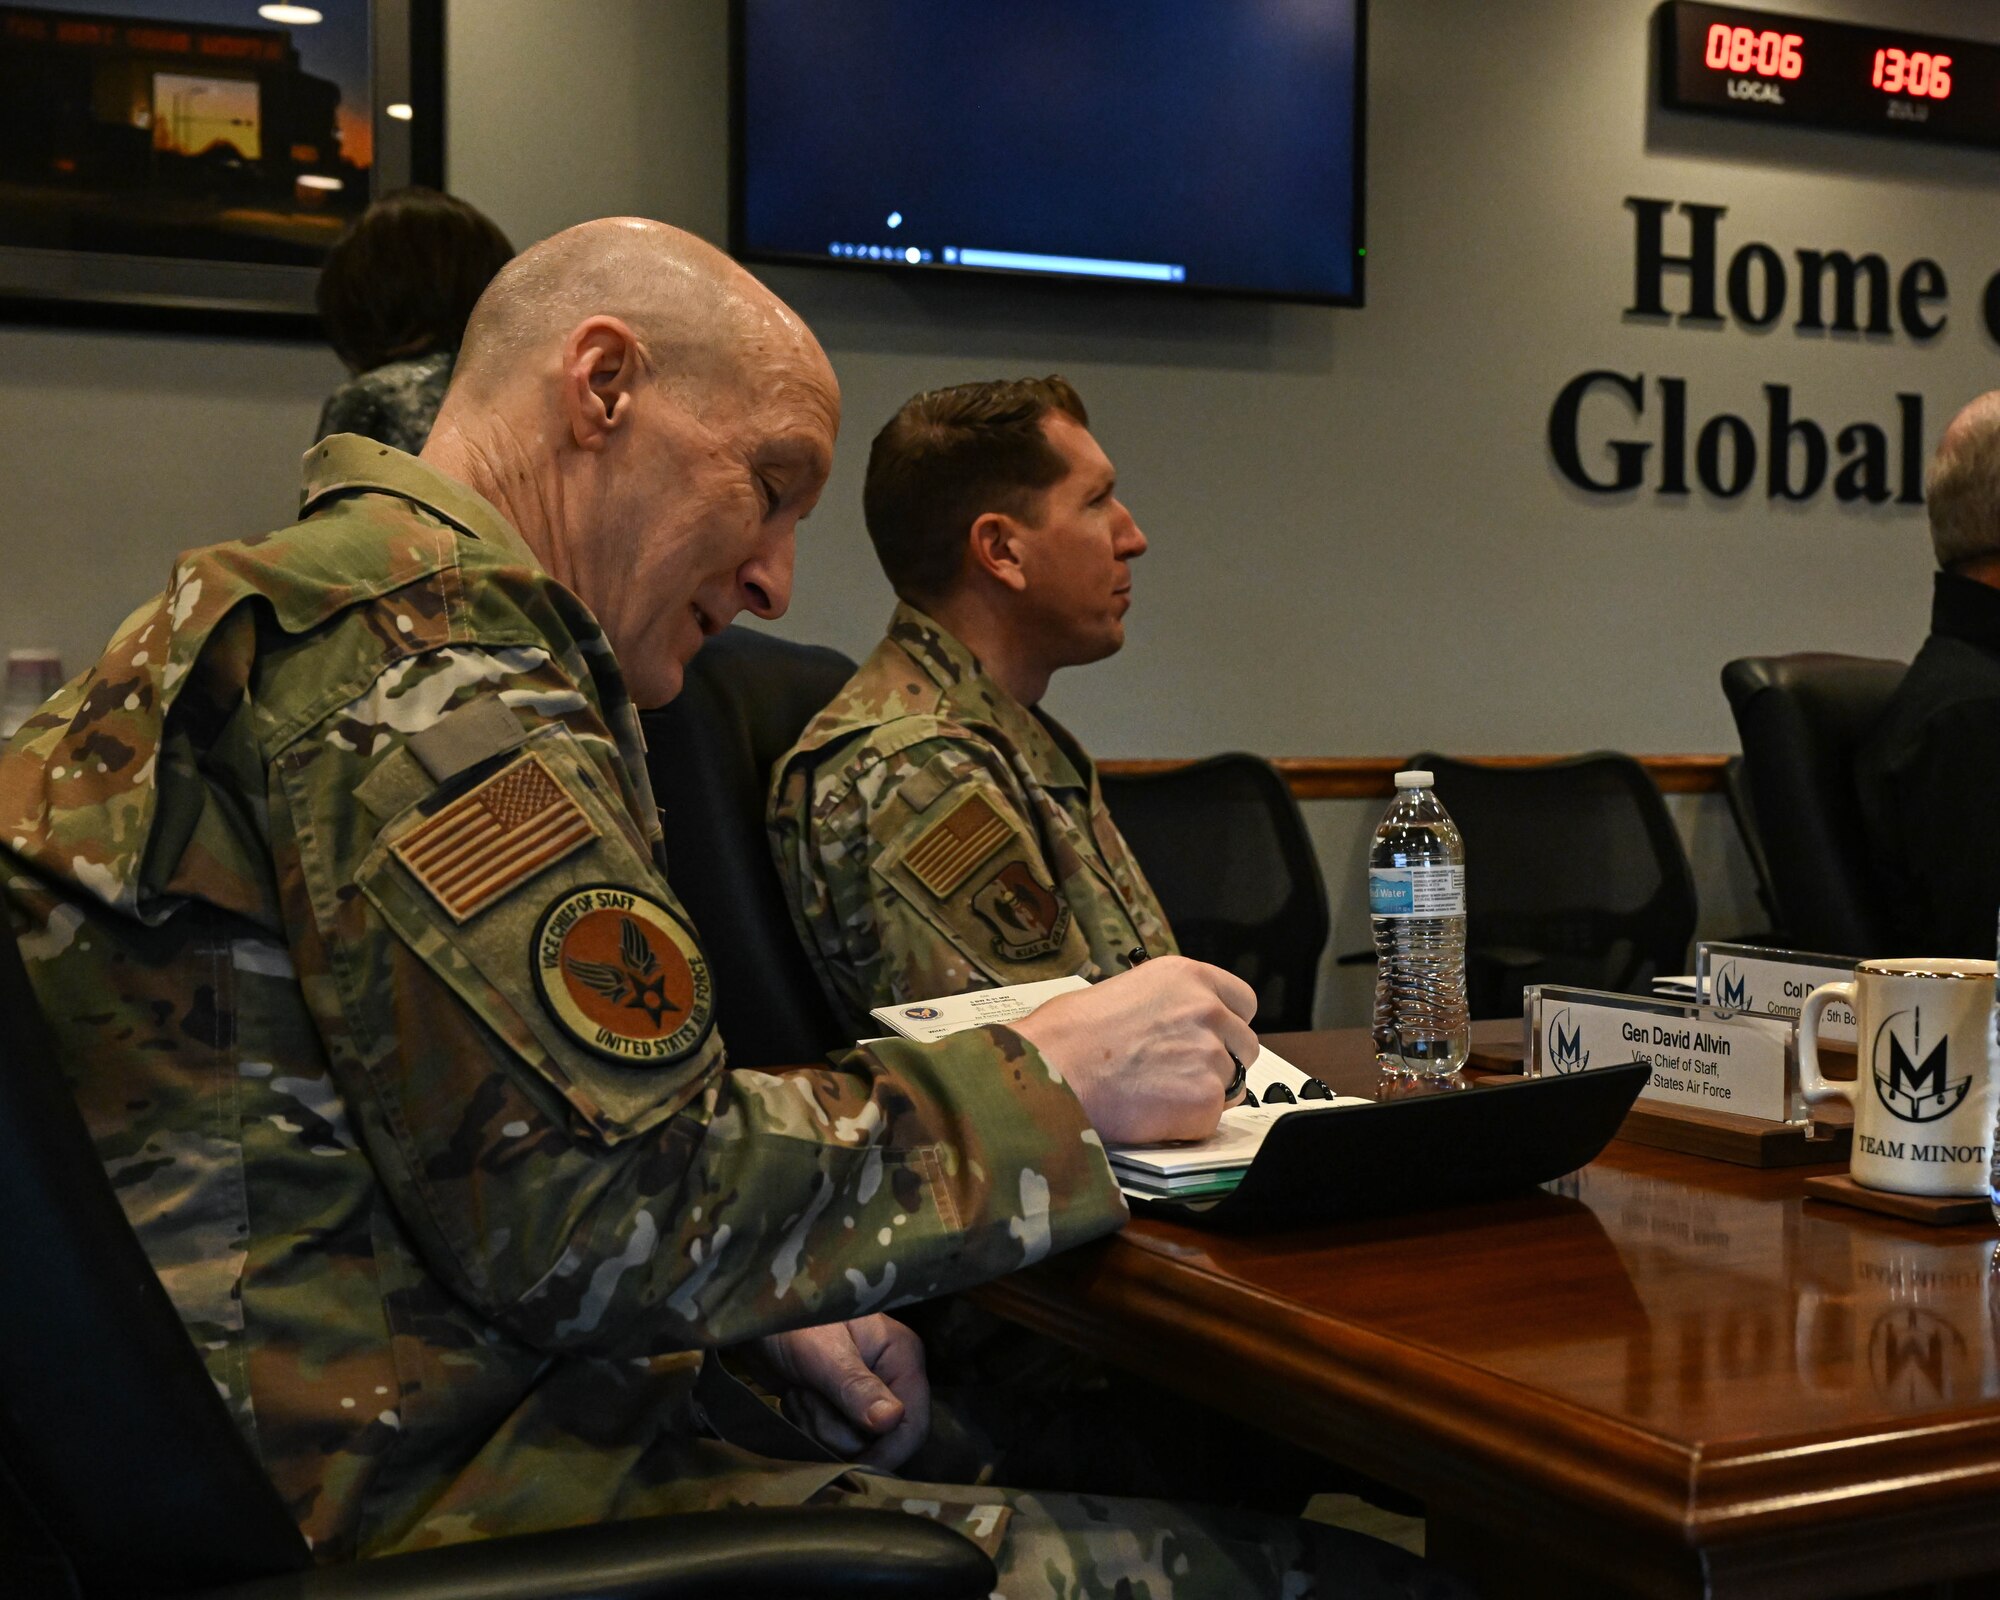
[1769, 55]
[1915, 72]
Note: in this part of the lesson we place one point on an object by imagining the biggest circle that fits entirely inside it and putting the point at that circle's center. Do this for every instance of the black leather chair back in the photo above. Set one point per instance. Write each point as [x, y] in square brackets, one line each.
[1228, 855]
[710, 752]
[1802, 719]
[1736, 789]
[1575, 874]
[118, 1448]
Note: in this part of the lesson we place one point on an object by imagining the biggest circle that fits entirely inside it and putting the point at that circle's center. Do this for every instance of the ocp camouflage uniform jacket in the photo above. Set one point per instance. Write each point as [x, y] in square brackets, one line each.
[935, 835]
[340, 880]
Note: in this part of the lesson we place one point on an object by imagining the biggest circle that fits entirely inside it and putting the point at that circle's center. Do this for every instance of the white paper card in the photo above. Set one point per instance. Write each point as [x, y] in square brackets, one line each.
[928, 1020]
[1703, 1063]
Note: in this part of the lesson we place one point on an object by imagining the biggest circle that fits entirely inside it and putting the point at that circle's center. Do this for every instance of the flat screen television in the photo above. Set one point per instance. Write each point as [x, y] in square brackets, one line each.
[1185, 144]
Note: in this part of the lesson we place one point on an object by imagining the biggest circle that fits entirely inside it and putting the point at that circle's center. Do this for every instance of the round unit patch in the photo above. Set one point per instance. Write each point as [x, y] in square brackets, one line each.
[623, 975]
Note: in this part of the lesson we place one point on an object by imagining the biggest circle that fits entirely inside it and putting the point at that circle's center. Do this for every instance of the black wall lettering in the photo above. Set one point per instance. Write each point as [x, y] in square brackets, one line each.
[1743, 305]
[1742, 456]
[1846, 271]
[1673, 436]
[1912, 408]
[1652, 260]
[1565, 420]
[1923, 284]
[1864, 464]
[1784, 433]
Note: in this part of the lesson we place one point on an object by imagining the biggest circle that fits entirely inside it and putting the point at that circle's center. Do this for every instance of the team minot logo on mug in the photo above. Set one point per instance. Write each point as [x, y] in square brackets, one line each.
[1915, 1093]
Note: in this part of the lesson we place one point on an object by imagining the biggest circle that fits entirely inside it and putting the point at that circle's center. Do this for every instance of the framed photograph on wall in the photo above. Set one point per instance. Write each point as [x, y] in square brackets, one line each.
[190, 161]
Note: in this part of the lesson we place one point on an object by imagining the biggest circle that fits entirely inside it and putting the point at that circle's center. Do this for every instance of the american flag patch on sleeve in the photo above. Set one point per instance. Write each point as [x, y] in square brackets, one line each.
[945, 854]
[493, 837]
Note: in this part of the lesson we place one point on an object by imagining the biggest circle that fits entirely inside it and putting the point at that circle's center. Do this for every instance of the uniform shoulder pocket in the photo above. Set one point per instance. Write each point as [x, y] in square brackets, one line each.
[517, 887]
[967, 866]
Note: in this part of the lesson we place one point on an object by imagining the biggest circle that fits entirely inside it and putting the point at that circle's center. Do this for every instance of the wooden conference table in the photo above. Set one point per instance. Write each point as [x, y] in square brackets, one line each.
[1663, 1375]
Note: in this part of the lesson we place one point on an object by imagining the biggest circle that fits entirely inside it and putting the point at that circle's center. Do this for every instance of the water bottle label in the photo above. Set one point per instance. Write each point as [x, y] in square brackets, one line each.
[1437, 891]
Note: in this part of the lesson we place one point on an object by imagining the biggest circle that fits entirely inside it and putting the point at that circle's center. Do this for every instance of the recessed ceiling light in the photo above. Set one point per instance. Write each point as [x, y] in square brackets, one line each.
[399, 110]
[297, 16]
[313, 180]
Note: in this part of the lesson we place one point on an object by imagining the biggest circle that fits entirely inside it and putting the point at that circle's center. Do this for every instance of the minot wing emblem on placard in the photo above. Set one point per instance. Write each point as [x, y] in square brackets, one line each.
[1566, 1051]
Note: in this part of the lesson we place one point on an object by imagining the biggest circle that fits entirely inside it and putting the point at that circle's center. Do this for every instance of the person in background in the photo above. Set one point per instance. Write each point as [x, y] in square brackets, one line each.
[1929, 770]
[394, 297]
[936, 830]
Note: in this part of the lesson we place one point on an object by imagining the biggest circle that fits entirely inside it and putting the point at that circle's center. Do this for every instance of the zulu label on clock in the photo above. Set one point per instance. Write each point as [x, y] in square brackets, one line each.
[1802, 70]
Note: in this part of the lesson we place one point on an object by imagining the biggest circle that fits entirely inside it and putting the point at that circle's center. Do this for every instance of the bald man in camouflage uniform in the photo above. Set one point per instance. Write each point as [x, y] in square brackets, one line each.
[937, 832]
[340, 881]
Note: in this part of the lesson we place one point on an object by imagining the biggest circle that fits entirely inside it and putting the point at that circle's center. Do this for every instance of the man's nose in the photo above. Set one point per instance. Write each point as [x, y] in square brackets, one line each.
[766, 579]
[1131, 537]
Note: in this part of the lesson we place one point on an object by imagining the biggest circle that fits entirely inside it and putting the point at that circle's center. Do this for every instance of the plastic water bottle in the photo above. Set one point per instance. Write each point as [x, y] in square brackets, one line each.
[1416, 896]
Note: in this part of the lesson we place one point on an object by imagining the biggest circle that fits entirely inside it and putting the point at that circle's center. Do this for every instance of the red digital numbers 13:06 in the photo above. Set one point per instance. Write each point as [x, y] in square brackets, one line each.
[1915, 72]
[1769, 55]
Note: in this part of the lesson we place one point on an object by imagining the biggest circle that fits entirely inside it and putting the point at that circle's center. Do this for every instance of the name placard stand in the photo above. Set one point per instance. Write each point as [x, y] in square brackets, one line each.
[1724, 1085]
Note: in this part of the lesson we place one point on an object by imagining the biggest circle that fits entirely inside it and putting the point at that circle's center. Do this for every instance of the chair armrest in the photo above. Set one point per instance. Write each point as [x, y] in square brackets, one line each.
[766, 1554]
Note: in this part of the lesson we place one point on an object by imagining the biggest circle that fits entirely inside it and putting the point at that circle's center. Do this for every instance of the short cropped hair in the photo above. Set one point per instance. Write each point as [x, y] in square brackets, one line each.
[1963, 486]
[403, 278]
[949, 457]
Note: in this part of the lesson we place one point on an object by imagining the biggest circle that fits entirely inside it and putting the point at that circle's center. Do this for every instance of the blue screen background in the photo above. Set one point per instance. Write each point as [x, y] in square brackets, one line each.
[1216, 135]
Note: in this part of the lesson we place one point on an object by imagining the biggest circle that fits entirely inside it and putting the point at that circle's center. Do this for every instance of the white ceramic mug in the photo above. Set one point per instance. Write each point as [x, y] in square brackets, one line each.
[1923, 1084]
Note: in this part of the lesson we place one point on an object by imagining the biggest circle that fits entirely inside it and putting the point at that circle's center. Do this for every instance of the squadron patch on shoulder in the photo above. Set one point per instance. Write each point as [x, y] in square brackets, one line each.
[1027, 917]
[497, 834]
[945, 853]
[623, 976]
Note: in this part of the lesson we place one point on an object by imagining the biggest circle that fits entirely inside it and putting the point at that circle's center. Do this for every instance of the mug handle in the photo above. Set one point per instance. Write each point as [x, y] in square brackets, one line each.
[1812, 1084]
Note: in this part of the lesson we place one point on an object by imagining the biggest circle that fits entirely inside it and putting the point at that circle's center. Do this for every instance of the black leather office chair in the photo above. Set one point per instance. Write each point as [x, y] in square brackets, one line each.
[710, 753]
[1736, 789]
[1801, 719]
[1574, 874]
[125, 1477]
[1228, 855]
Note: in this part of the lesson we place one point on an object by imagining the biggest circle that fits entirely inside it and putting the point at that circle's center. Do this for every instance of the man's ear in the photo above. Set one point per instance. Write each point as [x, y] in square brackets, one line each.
[603, 367]
[993, 547]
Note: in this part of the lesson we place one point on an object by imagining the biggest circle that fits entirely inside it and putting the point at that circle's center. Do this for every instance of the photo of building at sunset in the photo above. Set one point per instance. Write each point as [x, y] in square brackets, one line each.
[190, 128]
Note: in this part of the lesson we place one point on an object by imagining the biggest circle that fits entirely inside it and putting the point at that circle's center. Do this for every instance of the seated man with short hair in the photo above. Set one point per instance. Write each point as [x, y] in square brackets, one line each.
[935, 829]
[1930, 769]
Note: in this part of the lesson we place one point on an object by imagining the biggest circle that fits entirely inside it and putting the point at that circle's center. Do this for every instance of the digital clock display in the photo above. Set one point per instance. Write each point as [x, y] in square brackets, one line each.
[1829, 74]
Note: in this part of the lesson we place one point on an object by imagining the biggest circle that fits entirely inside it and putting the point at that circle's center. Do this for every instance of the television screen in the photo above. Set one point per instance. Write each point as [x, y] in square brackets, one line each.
[1202, 144]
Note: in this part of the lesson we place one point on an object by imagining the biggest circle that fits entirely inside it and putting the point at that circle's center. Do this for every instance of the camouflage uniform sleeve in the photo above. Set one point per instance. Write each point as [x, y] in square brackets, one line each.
[935, 881]
[519, 1020]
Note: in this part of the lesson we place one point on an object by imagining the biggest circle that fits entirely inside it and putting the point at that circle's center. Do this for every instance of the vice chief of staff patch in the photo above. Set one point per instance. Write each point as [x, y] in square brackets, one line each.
[623, 976]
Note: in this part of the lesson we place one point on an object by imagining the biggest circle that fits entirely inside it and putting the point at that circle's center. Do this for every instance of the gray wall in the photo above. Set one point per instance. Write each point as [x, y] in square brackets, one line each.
[1359, 543]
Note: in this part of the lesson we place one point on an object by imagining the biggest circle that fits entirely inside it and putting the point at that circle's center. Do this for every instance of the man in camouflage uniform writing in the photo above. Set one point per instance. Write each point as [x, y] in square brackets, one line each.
[339, 880]
[936, 831]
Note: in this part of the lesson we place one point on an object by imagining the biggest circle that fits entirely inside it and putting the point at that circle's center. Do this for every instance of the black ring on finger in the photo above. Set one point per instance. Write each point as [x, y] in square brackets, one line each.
[1242, 1076]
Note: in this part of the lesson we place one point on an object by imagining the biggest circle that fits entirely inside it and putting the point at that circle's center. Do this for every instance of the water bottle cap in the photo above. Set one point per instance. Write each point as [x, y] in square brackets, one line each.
[1415, 779]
